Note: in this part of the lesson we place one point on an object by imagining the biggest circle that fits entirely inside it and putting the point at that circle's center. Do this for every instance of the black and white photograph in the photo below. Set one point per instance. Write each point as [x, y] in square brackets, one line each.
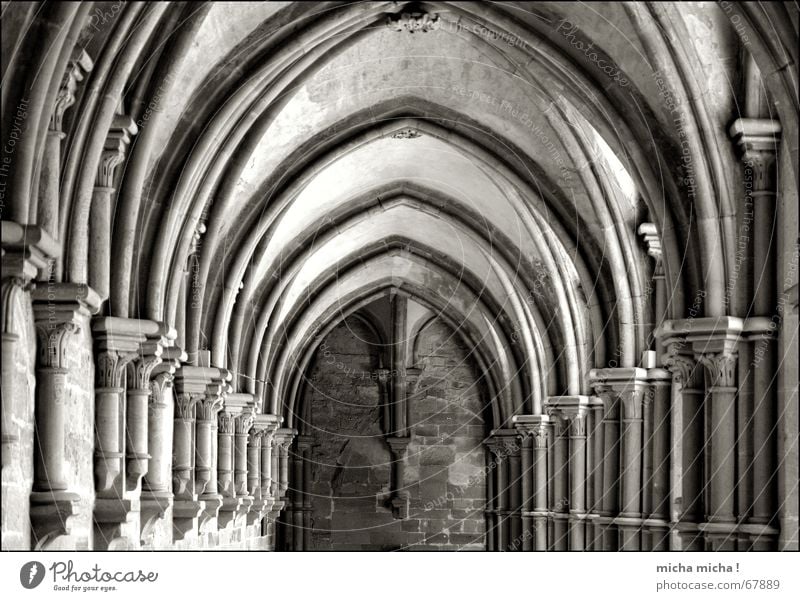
[289, 288]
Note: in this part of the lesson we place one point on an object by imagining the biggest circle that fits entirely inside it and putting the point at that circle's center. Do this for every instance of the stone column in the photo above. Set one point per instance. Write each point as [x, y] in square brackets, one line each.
[265, 425]
[608, 504]
[206, 451]
[60, 310]
[721, 394]
[758, 141]
[137, 410]
[47, 208]
[268, 485]
[102, 208]
[596, 469]
[714, 342]
[572, 411]
[243, 423]
[559, 500]
[686, 426]
[117, 344]
[629, 385]
[400, 496]
[300, 505]
[504, 444]
[657, 485]
[187, 507]
[280, 468]
[157, 496]
[535, 429]
[225, 460]
[399, 334]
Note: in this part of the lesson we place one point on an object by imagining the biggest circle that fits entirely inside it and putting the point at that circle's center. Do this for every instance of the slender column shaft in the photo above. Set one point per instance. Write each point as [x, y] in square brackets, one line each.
[540, 491]
[183, 447]
[560, 485]
[225, 456]
[721, 397]
[527, 493]
[240, 470]
[100, 242]
[48, 204]
[254, 464]
[203, 455]
[50, 464]
[159, 440]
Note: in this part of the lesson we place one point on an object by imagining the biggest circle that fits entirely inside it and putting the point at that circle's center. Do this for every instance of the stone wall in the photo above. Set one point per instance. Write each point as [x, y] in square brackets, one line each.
[351, 471]
[446, 453]
[17, 475]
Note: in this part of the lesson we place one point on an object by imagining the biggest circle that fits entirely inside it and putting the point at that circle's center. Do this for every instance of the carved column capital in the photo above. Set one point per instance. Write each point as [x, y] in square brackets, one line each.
[572, 410]
[226, 422]
[141, 368]
[119, 137]
[758, 141]
[536, 426]
[54, 342]
[679, 364]
[244, 421]
[186, 404]
[721, 367]
[504, 443]
[78, 65]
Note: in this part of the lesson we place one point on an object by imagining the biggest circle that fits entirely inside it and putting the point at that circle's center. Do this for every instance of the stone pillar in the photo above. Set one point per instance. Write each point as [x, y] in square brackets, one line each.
[504, 444]
[300, 501]
[115, 512]
[102, 208]
[243, 423]
[687, 461]
[721, 394]
[225, 460]
[137, 410]
[156, 496]
[629, 384]
[206, 451]
[596, 469]
[657, 485]
[280, 468]
[400, 496]
[714, 342]
[268, 484]
[535, 430]
[265, 425]
[758, 141]
[59, 312]
[399, 342]
[234, 422]
[606, 534]
[572, 411]
[47, 208]
[200, 393]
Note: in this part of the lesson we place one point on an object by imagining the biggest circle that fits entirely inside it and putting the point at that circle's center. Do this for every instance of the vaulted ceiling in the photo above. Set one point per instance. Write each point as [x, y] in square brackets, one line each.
[492, 160]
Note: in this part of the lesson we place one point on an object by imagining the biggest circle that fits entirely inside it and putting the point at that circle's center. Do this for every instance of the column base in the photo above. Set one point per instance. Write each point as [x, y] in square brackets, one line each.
[154, 506]
[116, 522]
[50, 516]
[185, 517]
[258, 510]
[630, 530]
[211, 509]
